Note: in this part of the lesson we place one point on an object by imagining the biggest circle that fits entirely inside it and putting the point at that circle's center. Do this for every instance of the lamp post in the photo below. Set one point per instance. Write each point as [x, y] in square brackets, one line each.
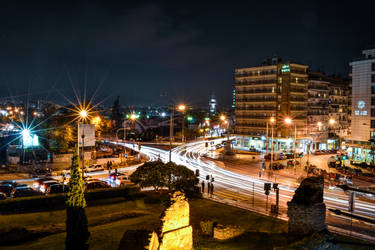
[133, 117]
[272, 121]
[82, 116]
[182, 108]
[289, 121]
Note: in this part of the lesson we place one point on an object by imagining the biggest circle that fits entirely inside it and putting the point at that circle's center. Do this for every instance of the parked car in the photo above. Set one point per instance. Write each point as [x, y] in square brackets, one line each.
[94, 184]
[41, 172]
[95, 168]
[276, 166]
[56, 189]
[3, 196]
[6, 189]
[24, 192]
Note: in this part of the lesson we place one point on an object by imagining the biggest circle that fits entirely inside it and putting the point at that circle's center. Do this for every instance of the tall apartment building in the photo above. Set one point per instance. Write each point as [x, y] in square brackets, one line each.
[274, 89]
[363, 104]
[328, 100]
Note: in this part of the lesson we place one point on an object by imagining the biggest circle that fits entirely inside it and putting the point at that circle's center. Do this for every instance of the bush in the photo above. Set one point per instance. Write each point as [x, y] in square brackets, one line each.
[57, 201]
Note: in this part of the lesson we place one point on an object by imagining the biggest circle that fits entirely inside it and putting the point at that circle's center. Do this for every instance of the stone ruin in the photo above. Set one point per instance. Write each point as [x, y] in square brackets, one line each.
[306, 211]
[220, 231]
[176, 233]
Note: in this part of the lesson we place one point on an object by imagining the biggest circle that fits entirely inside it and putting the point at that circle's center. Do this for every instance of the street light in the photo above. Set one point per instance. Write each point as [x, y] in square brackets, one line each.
[82, 116]
[272, 121]
[289, 122]
[222, 117]
[331, 121]
[182, 108]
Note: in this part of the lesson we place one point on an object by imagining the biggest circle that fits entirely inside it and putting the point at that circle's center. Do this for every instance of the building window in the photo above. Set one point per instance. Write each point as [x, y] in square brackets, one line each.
[373, 78]
[373, 90]
[372, 101]
[373, 66]
[372, 112]
[372, 123]
[280, 80]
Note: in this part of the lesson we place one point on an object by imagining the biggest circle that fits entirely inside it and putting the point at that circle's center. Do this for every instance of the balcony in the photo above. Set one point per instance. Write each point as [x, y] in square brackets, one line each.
[259, 99]
[260, 117]
[251, 125]
[297, 99]
[256, 91]
[252, 108]
[255, 73]
[255, 82]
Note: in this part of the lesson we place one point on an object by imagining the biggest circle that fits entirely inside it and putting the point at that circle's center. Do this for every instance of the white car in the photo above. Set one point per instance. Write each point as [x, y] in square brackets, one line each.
[95, 168]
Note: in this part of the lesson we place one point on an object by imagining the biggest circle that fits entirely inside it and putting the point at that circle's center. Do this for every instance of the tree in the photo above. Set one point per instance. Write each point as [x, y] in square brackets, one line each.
[77, 233]
[151, 174]
[158, 174]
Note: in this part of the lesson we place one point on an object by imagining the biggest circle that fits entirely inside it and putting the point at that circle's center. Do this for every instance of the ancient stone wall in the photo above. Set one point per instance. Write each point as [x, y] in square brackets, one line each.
[306, 211]
[225, 232]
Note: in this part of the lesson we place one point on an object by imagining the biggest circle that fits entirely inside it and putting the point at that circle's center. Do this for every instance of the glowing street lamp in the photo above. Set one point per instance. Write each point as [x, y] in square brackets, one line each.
[288, 120]
[331, 121]
[83, 114]
[182, 107]
[320, 124]
[222, 117]
[133, 117]
[272, 121]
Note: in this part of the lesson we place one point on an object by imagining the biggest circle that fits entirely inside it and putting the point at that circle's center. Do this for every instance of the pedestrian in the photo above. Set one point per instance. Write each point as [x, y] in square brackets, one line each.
[212, 189]
[202, 187]
[208, 187]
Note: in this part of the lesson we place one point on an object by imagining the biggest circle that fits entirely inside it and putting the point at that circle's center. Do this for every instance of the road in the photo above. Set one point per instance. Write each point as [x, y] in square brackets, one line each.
[230, 185]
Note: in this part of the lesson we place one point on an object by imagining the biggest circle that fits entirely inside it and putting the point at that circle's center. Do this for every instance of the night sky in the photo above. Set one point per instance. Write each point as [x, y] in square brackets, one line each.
[183, 49]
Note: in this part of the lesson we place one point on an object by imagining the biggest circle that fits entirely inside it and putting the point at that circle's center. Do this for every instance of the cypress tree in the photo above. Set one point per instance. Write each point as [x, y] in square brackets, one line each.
[77, 233]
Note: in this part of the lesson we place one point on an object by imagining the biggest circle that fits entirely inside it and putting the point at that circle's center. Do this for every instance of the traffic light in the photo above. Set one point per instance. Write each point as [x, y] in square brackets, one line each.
[275, 186]
[267, 188]
[212, 179]
[197, 172]
[207, 177]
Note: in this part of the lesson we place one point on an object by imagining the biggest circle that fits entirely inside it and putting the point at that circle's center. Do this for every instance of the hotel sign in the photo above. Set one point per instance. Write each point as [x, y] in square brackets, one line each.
[285, 68]
[361, 105]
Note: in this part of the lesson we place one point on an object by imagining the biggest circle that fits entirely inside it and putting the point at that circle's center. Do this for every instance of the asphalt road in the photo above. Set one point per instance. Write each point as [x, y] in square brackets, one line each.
[244, 185]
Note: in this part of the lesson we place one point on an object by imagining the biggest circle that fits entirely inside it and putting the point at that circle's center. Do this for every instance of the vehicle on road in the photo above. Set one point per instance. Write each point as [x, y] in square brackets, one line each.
[276, 166]
[291, 163]
[118, 179]
[44, 186]
[39, 182]
[6, 189]
[94, 184]
[95, 168]
[56, 189]
[24, 192]
[3, 196]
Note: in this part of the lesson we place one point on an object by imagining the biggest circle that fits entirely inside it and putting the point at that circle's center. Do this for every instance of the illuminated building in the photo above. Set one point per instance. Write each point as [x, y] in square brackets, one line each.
[363, 105]
[274, 89]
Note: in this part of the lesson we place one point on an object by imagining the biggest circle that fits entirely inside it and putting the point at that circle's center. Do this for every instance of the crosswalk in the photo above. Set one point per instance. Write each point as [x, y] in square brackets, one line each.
[223, 193]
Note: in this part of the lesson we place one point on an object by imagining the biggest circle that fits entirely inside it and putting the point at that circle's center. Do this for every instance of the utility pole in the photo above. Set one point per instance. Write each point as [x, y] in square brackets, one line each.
[253, 195]
[170, 134]
[295, 145]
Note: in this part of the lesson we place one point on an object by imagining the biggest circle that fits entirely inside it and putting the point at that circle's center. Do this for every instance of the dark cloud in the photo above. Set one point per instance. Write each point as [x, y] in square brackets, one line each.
[188, 50]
